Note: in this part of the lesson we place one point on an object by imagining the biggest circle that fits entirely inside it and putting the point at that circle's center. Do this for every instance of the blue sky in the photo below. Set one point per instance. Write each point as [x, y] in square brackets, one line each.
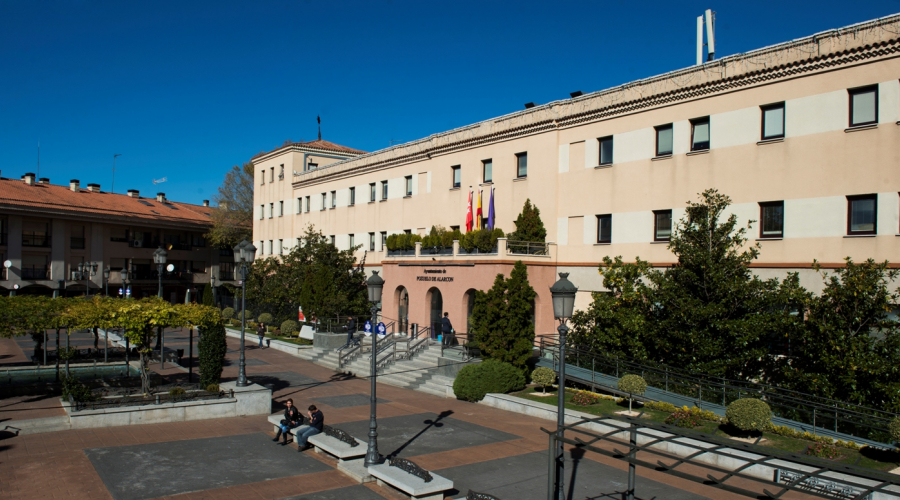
[184, 90]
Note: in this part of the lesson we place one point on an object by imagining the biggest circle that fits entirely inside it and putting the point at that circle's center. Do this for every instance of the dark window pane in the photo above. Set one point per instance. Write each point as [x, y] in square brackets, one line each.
[862, 215]
[522, 165]
[604, 228]
[700, 135]
[663, 225]
[606, 150]
[488, 171]
[772, 220]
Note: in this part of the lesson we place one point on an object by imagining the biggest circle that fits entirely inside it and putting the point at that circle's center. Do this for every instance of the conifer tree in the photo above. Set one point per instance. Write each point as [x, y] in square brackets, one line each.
[502, 318]
[208, 299]
[529, 226]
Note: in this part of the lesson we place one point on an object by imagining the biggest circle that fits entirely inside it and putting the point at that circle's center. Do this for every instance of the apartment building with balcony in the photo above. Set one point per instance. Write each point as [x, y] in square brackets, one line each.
[804, 136]
[48, 230]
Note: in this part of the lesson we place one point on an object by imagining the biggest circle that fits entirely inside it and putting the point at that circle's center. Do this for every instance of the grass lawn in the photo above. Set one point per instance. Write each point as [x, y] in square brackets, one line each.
[867, 457]
[290, 340]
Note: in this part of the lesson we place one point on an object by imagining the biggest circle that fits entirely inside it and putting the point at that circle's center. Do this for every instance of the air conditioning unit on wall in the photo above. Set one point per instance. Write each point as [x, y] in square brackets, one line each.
[138, 243]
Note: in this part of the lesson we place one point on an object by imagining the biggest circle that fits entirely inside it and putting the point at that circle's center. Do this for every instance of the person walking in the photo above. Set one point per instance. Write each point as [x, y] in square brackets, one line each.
[316, 423]
[261, 331]
[292, 419]
[351, 330]
[446, 329]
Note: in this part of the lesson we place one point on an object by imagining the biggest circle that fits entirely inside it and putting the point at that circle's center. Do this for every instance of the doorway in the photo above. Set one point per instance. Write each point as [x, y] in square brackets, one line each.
[403, 310]
[437, 309]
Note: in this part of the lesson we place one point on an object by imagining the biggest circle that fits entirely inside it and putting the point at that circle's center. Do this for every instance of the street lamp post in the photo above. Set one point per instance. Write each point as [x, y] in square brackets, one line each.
[244, 253]
[85, 271]
[159, 258]
[125, 294]
[106, 280]
[212, 283]
[563, 296]
[375, 284]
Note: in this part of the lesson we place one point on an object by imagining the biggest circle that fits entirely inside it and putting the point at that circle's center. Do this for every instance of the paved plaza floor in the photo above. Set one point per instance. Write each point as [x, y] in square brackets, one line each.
[478, 447]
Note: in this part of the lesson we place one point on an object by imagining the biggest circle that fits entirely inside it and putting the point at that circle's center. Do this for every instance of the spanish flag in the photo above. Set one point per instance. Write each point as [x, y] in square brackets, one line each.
[478, 215]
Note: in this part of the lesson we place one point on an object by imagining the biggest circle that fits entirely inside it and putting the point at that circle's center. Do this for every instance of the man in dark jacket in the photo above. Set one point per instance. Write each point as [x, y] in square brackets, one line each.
[316, 423]
[446, 329]
[292, 419]
[351, 330]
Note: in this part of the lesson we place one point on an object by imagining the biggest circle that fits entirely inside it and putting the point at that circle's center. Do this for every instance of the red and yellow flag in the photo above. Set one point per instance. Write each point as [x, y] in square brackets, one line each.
[478, 215]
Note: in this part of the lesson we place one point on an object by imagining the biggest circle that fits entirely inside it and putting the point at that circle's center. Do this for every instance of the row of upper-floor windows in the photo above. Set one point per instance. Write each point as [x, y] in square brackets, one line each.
[262, 174]
[38, 234]
[862, 220]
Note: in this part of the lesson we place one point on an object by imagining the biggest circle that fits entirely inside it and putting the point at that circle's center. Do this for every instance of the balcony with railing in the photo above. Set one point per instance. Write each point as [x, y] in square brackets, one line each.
[518, 250]
[35, 239]
[35, 273]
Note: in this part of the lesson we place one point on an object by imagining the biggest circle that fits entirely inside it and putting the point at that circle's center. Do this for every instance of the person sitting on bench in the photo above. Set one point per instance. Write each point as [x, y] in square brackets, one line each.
[316, 422]
[292, 419]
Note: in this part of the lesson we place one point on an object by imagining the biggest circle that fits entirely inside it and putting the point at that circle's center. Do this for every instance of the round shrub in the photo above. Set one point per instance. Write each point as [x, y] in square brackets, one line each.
[289, 327]
[543, 377]
[490, 376]
[228, 313]
[212, 388]
[632, 384]
[895, 430]
[177, 393]
[468, 384]
[265, 318]
[749, 414]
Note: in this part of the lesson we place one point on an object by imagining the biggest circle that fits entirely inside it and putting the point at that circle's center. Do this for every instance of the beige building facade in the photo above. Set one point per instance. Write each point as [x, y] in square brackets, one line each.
[804, 137]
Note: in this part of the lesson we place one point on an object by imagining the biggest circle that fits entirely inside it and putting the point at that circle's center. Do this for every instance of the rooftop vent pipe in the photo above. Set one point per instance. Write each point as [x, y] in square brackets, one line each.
[134, 193]
[29, 179]
[94, 187]
[161, 197]
[74, 185]
[205, 203]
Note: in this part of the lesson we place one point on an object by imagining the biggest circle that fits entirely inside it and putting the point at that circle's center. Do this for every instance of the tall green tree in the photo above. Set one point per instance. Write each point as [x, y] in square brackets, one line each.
[849, 349]
[325, 281]
[529, 226]
[707, 313]
[208, 298]
[502, 320]
[232, 217]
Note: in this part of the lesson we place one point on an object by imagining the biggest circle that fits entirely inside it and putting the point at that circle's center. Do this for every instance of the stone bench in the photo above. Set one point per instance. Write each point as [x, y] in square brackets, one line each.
[412, 484]
[275, 420]
[335, 442]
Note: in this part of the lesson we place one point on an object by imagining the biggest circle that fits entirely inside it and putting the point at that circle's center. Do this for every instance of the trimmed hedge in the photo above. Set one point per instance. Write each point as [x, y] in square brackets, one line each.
[543, 376]
[228, 313]
[490, 376]
[211, 350]
[749, 414]
[289, 327]
[265, 318]
[895, 430]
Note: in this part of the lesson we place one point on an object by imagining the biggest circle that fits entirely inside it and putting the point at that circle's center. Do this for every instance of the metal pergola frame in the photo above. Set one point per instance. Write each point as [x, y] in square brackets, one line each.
[791, 472]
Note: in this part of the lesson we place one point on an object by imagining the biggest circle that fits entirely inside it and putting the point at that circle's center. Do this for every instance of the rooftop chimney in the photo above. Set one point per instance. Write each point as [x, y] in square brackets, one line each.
[134, 193]
[29, 179]
[161, 197]
[44, 180]
[205, 203]
[94, 188]
[74, 185]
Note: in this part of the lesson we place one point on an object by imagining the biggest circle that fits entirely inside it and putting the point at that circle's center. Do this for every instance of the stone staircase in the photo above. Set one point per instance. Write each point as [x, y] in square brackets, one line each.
[418, 373]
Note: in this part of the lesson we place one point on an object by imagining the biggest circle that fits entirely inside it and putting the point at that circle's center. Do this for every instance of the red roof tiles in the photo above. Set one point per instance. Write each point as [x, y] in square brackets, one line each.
[16, 195]
[318, 144]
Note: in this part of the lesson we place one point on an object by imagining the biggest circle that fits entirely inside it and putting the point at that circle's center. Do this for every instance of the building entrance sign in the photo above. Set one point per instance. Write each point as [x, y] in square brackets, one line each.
[435, 278]
[367, 329]
[381, 329]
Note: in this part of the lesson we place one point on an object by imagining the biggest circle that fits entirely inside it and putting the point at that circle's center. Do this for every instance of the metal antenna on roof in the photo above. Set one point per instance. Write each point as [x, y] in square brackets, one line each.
[39, 160]
[113, 188]
[160, 181]
[319, 119]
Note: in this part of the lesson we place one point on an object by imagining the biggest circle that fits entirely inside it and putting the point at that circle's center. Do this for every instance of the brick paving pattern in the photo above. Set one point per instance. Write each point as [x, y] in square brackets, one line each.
[460, 440]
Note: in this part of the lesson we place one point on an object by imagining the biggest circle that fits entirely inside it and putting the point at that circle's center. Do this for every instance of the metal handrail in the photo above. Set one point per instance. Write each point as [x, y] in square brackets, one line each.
[855, 420]
[527, 248]
[465, 342]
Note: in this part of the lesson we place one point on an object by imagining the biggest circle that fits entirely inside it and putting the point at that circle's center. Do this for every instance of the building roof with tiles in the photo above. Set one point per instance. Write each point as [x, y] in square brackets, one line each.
[319, 145]
[30, 196]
